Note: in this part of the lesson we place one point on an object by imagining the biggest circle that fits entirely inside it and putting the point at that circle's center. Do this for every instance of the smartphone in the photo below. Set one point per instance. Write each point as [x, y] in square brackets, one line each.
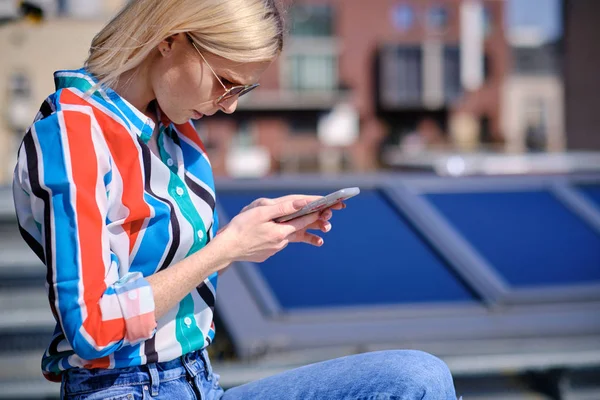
[321, 204]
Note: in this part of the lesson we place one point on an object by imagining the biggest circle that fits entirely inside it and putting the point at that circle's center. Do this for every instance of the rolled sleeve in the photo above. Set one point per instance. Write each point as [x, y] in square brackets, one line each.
[132, 296]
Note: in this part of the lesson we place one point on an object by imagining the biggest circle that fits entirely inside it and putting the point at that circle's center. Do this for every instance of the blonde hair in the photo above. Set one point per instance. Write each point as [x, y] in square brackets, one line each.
[238, 30]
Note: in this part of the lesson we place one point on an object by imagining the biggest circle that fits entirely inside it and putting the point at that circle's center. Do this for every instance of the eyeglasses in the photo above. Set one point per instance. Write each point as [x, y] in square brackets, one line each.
[237, 90]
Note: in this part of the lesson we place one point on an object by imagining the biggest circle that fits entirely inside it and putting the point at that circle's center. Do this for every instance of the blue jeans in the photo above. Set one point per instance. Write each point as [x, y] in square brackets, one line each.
[397, 375]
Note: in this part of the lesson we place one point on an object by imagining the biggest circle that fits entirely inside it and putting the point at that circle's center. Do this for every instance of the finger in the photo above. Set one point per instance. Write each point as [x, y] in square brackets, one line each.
[258, 202]
[326, 215]
[303, 222]
[320, 225]
[296, 197]
[306, 237]
[283, 208]
[338, 206]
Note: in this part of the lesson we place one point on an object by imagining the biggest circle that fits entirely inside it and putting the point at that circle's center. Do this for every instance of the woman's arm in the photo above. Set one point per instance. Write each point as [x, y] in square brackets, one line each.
[250, 236]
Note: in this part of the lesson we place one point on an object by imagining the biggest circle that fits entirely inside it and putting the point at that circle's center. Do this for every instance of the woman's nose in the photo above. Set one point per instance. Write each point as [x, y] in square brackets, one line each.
[228, 106]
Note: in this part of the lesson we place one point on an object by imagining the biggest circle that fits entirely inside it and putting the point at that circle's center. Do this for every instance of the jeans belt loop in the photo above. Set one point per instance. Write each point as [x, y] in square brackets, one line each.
[154, 379]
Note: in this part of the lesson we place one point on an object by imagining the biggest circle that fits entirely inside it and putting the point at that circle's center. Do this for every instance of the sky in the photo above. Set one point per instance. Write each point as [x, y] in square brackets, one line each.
[545, 14]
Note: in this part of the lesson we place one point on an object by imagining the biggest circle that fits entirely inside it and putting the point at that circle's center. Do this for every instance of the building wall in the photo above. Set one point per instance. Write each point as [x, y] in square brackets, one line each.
[36, 51]
[582, 63]
[519, 92]
[360, 28]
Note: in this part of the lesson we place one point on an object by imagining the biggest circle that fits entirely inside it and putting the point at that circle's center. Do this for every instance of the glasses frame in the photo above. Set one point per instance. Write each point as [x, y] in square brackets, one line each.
[233, 91]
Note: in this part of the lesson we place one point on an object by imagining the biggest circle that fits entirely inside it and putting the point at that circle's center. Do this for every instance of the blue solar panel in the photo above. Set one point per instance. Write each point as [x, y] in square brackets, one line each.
[530, 237]
[592, 192]
[372, 256]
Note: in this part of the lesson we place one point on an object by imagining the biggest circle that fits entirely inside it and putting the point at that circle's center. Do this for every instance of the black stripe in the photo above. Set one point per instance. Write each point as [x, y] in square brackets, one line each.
[207, 295]
[150, 350]
[46, 109]
[32, 243]
[34, 180]
[209, 236]
[53, 348]
[146, 157]
[150, 346]
[200, 192]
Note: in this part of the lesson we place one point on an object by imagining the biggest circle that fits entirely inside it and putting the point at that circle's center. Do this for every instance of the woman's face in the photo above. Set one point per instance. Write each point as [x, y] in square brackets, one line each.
[184, 86]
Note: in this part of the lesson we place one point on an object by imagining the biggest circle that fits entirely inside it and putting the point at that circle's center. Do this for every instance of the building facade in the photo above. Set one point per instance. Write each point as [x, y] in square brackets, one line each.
[355, 78]
[425, 69]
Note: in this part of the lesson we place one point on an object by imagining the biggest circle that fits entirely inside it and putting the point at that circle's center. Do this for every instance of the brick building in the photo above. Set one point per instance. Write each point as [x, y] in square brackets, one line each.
[427, 67]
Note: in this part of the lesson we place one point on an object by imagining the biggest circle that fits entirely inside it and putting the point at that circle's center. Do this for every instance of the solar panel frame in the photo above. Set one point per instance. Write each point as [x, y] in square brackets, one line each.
[267, 299]
[258, 326]
[475, 266]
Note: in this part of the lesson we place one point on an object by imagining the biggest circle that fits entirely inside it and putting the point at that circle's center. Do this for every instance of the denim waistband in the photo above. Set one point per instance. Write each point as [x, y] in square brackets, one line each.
[81, 380]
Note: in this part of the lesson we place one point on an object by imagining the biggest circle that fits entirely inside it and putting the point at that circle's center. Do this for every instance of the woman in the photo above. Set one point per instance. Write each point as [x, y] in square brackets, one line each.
[114, 192]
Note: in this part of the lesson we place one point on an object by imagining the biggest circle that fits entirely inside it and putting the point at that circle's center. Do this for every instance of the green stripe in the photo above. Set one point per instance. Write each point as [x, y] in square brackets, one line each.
[190, 337]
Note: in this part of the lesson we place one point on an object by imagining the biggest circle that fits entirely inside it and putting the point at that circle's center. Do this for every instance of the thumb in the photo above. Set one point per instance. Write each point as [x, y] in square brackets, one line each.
[286, 208]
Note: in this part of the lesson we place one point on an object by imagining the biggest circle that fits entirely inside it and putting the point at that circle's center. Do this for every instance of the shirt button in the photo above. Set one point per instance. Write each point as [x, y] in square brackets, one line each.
[200, 235]
[179, 191]
[132, 295]
[187, 321]
[170, 162]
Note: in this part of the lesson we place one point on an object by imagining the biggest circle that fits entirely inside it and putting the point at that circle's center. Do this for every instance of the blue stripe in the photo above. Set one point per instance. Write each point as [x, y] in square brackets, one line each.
[128, 356]
[196, 164]
[66, 237]
[108, 178]
[146, 260]
[66, 248]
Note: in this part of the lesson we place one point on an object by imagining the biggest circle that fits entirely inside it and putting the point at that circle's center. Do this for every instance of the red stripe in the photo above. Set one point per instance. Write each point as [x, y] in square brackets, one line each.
[190, 132]
[103, 362]
[90, 224]
[126, 158]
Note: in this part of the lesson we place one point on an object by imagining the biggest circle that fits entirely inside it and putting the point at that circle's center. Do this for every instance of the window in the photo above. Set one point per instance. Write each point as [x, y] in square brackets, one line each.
[488, 21]
[19, 85]
[313, 72]
[312, 20]
[403, 17]
[452, 84]
[401, 76]
[437, 18]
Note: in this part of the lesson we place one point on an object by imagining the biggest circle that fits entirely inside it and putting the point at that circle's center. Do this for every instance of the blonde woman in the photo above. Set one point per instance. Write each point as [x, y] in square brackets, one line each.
[114, 193]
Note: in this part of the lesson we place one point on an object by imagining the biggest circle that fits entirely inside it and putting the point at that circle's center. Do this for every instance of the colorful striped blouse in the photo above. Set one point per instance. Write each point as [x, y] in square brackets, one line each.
[103, 212]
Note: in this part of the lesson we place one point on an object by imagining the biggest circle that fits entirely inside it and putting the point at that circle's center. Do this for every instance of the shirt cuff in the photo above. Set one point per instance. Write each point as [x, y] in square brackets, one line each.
[136, 300]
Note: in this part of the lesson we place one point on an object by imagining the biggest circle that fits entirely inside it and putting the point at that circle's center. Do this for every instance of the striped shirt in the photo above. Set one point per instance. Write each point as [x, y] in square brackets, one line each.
[103, 212]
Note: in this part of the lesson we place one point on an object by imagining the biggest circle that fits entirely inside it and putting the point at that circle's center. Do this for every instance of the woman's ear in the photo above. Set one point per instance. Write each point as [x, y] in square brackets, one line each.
[165, 47]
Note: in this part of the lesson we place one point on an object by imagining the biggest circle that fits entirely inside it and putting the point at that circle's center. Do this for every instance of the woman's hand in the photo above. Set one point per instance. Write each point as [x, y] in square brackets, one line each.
[254, 236]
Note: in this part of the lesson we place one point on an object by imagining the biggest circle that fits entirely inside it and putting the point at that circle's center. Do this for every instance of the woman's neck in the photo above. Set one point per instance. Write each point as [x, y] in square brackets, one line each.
[134, 86]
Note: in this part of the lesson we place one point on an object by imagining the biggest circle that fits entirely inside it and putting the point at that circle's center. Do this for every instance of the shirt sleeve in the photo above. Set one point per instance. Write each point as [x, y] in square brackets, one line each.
[61, 203]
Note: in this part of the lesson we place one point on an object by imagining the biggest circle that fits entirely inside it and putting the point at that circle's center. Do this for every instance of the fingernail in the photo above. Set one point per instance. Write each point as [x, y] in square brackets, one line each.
[327, 227]
[320, 242]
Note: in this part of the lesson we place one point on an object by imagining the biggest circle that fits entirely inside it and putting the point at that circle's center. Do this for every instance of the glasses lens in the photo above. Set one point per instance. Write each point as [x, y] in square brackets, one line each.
[237, 91]
[247, 89]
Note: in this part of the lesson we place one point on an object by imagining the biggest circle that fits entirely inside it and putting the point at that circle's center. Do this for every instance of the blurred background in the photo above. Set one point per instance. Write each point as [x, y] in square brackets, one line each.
[471, 127]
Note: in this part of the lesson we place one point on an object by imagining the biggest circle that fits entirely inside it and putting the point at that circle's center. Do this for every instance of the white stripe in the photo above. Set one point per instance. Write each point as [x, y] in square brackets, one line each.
[72, 74]
[191, 143]
[201, 183]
